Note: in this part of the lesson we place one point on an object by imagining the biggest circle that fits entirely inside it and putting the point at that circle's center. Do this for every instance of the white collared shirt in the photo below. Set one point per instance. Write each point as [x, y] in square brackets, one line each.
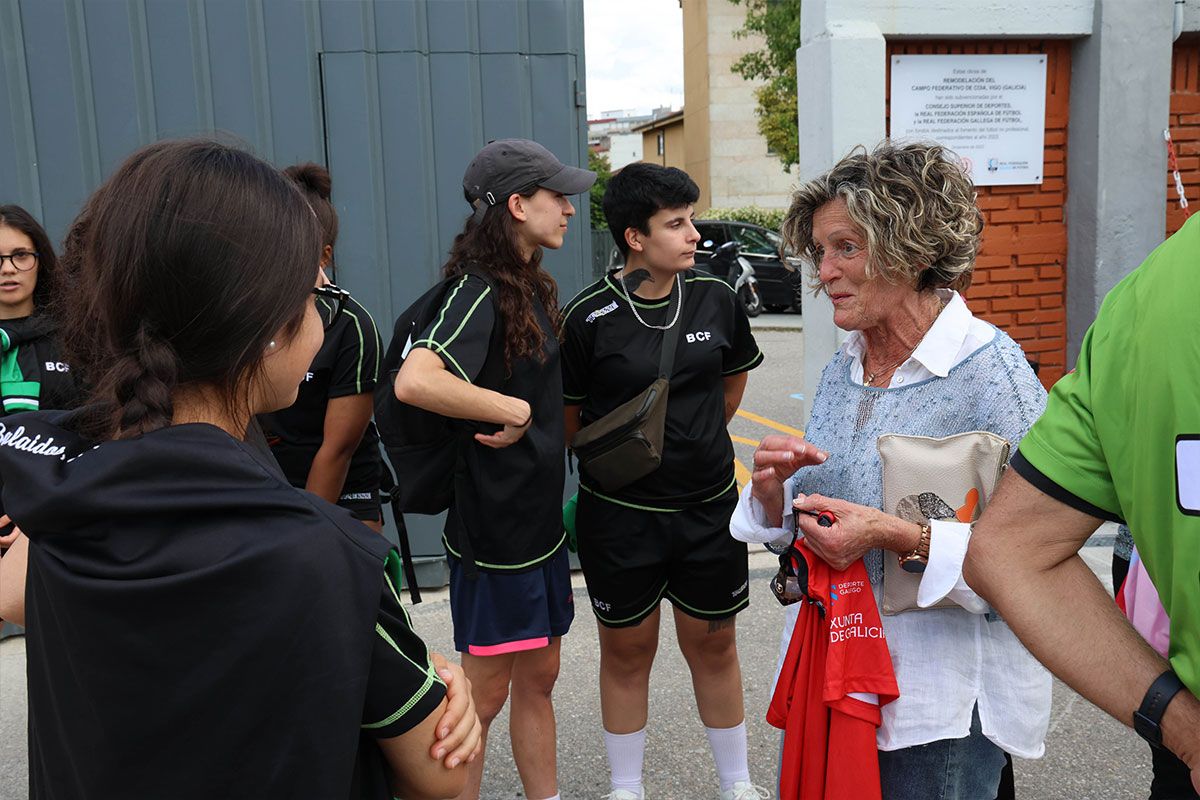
[971, 658]
[954, 335]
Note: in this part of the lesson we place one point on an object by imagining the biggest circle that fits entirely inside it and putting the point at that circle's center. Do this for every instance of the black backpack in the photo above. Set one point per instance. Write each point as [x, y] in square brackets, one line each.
[424, 448]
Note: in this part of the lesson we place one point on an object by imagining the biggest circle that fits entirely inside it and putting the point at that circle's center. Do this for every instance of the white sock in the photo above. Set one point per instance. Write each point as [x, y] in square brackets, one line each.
[625, 752]
[556, 797]
[729, 754]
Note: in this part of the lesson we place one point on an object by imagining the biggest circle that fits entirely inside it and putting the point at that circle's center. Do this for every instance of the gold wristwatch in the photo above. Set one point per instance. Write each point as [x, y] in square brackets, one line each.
[917, 559]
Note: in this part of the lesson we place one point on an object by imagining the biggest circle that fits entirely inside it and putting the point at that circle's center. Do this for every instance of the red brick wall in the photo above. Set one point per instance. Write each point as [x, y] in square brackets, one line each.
[1185, 128]
[1020, 282]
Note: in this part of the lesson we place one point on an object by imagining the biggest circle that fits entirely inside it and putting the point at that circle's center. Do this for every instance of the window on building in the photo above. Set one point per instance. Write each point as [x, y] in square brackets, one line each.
[662, 143]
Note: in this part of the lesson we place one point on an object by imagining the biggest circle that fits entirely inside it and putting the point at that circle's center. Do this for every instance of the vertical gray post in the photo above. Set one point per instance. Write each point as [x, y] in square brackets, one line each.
[1116, 160]
[841, 69]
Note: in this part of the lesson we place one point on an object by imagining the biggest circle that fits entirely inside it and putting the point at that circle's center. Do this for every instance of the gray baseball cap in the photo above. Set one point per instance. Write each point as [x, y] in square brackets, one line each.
[506, 166]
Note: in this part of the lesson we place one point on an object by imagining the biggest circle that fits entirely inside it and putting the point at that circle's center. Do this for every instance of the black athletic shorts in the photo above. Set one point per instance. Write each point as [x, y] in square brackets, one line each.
[364, 504]
[632, 558]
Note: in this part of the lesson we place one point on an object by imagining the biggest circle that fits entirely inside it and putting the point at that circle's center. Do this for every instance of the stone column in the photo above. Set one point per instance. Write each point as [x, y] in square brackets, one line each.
[841, 69]
[1116, 159]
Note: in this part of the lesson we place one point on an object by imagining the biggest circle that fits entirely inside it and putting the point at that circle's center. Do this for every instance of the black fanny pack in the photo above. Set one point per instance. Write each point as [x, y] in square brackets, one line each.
[627, 443]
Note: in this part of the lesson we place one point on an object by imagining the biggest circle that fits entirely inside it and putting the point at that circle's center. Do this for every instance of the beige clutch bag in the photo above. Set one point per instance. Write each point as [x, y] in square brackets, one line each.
[925, 478]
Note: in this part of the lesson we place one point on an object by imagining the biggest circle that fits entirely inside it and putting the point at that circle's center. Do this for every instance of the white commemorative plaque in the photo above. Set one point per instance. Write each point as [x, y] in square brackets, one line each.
[989, 109]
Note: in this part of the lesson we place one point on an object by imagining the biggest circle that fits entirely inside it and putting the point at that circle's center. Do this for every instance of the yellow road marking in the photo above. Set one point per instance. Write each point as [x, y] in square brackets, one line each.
[740, 474]
[744, 440]
[770, 423]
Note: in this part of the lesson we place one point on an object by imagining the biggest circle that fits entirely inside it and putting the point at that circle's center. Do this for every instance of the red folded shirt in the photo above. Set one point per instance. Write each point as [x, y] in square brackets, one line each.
[829, 750]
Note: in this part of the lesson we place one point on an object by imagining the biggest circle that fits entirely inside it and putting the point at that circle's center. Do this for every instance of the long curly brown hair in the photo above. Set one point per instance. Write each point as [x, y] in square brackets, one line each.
[490, 245]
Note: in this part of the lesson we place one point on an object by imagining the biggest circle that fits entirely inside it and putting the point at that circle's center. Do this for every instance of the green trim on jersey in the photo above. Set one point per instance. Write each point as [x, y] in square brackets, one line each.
[466, 318]
[582, 298]
[445, 305]
[632, 617]
[393, 577]
[627, 504]
[486, 565]
[749, 365]
[441, 348]
[733, 609]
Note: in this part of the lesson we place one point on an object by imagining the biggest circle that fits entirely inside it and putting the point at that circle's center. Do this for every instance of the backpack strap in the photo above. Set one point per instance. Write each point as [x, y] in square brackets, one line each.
[670, 342]
[387, 484]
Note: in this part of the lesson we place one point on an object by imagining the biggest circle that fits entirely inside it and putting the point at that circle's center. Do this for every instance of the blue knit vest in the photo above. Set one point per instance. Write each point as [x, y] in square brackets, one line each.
[994, 389]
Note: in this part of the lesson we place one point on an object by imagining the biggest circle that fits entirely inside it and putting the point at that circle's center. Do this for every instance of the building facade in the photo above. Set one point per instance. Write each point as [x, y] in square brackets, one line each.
[726, 154]
[613, 134]
[395, 96]
[664, 141]
[1118, 72]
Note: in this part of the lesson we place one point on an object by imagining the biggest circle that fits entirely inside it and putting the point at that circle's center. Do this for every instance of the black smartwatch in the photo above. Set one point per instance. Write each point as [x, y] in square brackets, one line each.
[1148, 718]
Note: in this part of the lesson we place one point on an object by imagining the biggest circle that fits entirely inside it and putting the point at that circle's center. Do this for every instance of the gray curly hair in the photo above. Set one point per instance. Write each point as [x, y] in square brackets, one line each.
[915, 205]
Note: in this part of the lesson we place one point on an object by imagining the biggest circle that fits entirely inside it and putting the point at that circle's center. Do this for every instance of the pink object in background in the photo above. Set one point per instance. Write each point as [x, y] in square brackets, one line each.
[1139, 600]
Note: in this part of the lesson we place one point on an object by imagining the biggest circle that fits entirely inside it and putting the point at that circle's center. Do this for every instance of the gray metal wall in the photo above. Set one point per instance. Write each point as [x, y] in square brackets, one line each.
[394, 95]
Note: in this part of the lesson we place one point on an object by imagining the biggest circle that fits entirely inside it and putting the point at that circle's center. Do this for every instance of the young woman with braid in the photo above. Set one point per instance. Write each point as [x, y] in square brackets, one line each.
[152, 525]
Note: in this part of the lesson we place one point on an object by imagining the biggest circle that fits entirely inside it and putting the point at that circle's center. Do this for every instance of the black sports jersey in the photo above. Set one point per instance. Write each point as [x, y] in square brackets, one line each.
[609, 357]
[139, 550]
[507, 501]
[33, 372]
[347, 364]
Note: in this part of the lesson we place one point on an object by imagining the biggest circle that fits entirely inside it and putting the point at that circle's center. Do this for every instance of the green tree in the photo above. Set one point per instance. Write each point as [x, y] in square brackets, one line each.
[778, 21]
[599, 164]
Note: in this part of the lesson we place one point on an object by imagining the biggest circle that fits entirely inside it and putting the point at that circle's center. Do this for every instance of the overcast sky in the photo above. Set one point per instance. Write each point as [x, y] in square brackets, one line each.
[634, 55]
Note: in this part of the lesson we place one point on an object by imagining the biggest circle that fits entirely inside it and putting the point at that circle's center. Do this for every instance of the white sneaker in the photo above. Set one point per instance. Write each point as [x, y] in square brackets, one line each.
[623, 794]
[745, 790]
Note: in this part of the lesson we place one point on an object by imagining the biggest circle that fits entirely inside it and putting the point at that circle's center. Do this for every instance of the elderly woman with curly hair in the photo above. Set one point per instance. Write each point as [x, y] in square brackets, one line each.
[891, 236]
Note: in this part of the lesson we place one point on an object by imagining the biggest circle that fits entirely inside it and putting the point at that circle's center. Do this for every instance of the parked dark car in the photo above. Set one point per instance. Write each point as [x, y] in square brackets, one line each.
[781, 287]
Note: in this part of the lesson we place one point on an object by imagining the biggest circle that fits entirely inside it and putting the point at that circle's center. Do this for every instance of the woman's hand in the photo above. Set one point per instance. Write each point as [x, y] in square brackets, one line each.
[512, 432]
[777, 459]
[459, 732]
[857, 530]
[8, 532]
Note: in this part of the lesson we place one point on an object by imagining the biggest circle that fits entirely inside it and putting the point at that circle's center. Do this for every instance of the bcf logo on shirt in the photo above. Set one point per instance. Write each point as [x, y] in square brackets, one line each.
[57, 366]
[699, 336]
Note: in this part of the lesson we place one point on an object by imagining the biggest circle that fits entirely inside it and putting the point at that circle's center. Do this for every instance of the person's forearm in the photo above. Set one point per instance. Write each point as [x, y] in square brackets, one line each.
[1103, 657]
[897, 535]
[327, 475]
[13, 567]
[438, 391]
[1023, 559]
[734, 389]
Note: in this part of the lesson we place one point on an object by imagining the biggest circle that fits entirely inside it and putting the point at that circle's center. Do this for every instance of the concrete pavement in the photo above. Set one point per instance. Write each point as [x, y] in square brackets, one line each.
[1089, 756]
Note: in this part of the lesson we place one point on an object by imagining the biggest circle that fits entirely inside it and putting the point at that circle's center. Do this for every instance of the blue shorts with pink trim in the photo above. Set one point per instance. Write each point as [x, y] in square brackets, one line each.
[497, 613]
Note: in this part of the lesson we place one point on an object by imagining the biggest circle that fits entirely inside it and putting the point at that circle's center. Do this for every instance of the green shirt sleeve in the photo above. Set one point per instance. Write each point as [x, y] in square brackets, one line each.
[1064, 446]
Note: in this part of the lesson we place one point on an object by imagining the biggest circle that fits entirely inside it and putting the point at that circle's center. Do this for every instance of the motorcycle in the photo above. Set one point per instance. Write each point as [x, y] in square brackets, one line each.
[726, 263]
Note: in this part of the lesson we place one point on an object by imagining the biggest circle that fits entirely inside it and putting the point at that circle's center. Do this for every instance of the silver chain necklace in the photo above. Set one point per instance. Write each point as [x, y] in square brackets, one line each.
[633, 308]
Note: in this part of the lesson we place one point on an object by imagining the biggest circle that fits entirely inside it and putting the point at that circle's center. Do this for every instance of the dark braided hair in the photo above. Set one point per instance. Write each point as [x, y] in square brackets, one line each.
[177, 273]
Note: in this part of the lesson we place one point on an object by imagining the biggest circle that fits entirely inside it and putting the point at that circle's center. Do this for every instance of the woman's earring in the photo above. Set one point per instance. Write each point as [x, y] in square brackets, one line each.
[271, 344]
